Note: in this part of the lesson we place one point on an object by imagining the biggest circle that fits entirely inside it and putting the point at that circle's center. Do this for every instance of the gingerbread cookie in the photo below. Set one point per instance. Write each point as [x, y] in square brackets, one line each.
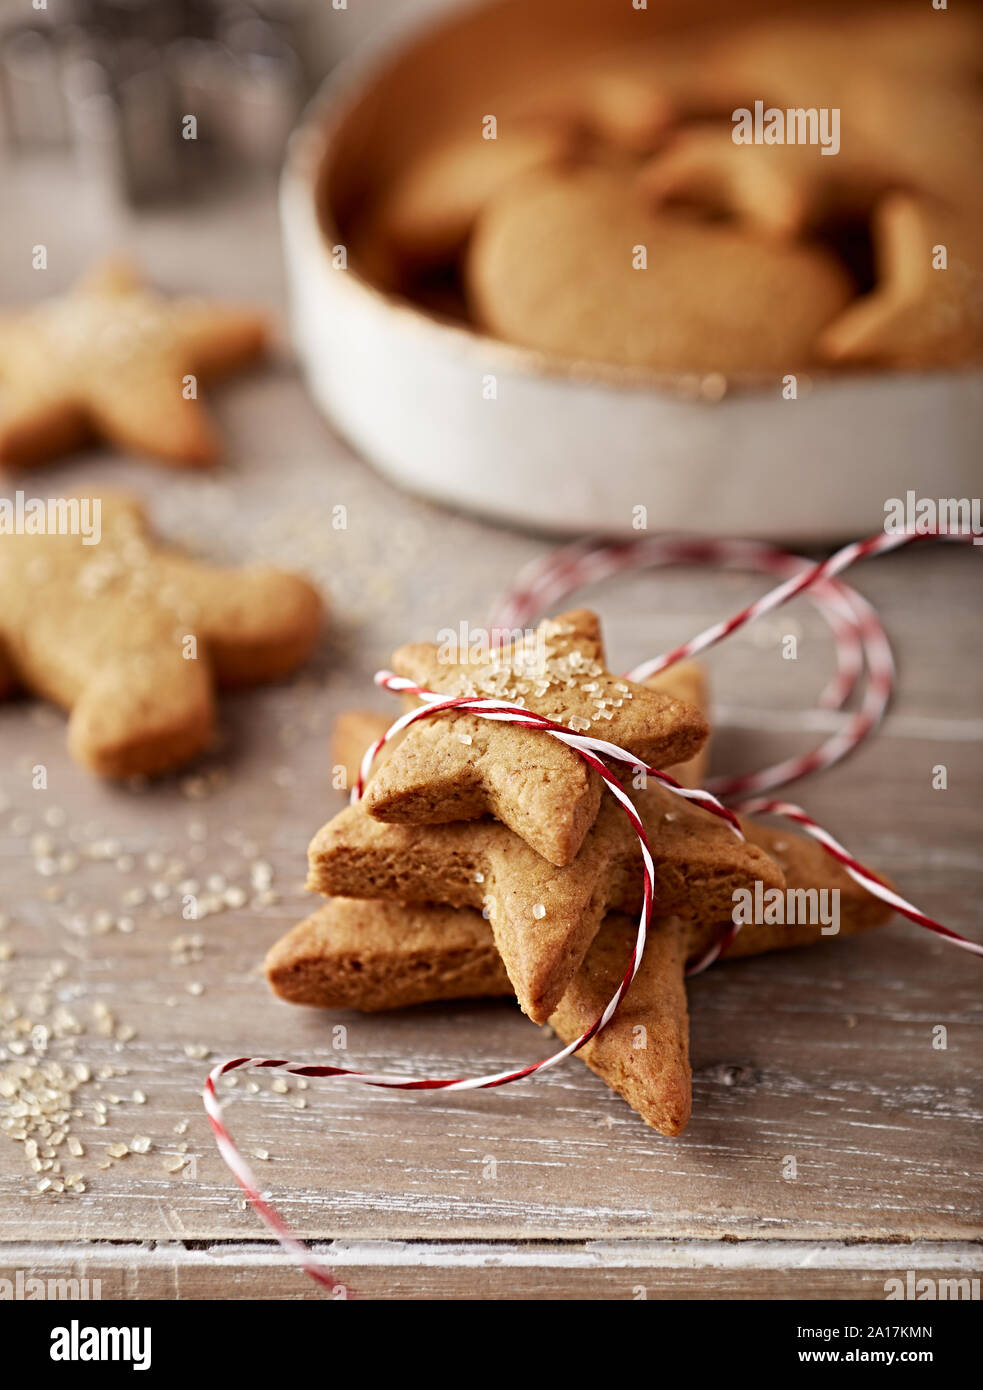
[427, 213]
[922, 312]
[909, 119]
[777, 190]
[356, 730]
[643, 1053]
[371, 956]
[115, 360]
[458, 767]
[543, 917]
[803, 60]
[131, 636]
[687, 681]
[576, 264]
[626, 97]
[806, 865]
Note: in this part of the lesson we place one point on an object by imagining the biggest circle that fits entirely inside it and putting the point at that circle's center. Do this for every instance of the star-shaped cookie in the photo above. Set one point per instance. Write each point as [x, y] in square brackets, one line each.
[919, 313]
[385, 955]
[111, 360]
[131, 636]
[457, 766]
[355, 730]
[643, 1054]
[544, 917]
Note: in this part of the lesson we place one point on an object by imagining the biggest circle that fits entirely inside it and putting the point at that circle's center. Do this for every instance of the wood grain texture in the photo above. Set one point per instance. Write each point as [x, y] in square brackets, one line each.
[610, 1270]
[826, 1056]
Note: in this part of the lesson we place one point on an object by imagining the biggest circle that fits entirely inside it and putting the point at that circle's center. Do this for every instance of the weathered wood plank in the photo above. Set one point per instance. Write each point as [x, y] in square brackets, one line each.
[826, 1056]
[608, 1270]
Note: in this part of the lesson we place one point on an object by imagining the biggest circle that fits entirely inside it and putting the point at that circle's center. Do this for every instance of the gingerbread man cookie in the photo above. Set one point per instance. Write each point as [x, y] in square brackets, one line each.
[117, 361]
[132, 637]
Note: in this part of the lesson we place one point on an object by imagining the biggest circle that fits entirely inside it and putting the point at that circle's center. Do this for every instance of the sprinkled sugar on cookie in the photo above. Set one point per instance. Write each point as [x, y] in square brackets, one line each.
[132, 636]
[115, 360]
[538, 787]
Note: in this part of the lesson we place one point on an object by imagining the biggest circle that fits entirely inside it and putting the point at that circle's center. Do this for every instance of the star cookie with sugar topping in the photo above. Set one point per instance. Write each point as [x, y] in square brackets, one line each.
[132, 636]
[111, 360]
[458, 766]
[543, 917]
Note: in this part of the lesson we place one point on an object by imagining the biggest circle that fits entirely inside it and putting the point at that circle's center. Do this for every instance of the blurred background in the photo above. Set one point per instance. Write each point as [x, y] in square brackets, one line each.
[106, 82]
[158, 128]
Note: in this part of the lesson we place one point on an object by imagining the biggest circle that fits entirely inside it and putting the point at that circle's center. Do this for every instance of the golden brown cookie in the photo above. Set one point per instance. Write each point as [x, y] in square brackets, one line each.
[806, 864]
[132, 637]
[354, 731]
[457, 766]
[112, 360]
[427, 212]
[544, 917]
[643, 1053]
[687, 681]
[802, 59]
[920, 313]
[375, 955]
[911, 117]
[370, 956]
[577, 264]
[778, 190]
[319, 950]
[625, 98]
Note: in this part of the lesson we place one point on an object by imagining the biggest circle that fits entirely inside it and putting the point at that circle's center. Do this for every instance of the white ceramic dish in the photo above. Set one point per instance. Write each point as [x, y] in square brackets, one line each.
[579, 449]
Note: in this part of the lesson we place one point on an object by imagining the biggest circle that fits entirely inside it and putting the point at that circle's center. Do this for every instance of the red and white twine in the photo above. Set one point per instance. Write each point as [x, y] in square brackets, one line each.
[861, 643]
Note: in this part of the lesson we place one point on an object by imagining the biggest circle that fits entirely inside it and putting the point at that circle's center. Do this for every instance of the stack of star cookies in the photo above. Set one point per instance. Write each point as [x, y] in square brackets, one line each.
[487, 859]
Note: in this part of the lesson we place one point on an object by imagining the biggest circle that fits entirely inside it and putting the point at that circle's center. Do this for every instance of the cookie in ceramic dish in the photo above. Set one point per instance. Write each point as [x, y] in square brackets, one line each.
[926, 308]
[427, 213]
[577, 265]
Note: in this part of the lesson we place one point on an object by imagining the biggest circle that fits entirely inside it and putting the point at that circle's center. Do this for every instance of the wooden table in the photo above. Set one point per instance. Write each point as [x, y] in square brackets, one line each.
[554, 1188]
